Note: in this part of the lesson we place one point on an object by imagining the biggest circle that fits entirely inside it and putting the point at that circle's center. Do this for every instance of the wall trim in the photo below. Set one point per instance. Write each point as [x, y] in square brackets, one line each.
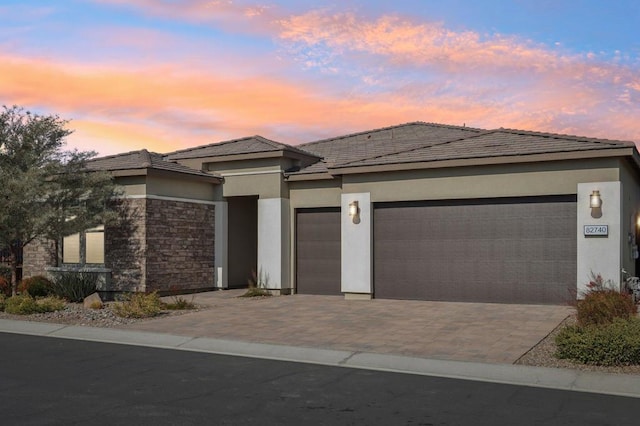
[263, 172]
[162, 197]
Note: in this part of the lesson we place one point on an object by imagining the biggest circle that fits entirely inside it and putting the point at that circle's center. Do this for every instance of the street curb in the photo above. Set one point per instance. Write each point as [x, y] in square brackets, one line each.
[551, 378]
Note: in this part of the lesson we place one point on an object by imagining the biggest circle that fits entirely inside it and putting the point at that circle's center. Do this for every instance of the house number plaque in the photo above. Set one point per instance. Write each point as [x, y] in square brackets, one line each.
[596, 230]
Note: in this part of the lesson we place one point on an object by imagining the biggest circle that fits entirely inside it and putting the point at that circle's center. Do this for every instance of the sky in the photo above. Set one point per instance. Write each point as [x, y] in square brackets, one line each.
[171, 74]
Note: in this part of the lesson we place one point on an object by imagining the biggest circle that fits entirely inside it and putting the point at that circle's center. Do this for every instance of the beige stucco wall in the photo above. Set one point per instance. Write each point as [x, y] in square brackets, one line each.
[482, 181]
[166, 186]
[179, 188]
[315, 193]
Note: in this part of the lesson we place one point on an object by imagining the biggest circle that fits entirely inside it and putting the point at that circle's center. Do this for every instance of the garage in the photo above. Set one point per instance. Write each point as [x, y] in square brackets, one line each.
[499, 250]
[318, 251]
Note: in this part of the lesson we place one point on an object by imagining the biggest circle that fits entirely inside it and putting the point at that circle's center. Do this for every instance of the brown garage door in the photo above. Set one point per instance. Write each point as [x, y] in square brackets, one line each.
[507, 250]
[318, 251]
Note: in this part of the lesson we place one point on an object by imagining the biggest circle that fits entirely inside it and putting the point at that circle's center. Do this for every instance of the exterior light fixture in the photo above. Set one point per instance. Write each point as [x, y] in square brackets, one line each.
[595, 202]
[354, 212]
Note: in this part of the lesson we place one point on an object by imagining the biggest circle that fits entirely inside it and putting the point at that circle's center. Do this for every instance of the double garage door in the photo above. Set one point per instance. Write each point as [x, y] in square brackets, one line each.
[505, 250]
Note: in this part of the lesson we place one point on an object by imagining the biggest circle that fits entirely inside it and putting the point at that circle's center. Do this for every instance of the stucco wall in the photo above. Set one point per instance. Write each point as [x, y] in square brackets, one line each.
[509, 180]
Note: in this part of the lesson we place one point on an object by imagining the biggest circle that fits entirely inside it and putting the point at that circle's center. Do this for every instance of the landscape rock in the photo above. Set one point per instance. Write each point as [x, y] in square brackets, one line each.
[92, 301]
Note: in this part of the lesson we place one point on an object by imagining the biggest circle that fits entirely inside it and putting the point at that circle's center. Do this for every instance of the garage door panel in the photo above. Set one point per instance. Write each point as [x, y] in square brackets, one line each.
[506, 250]
[318, 251]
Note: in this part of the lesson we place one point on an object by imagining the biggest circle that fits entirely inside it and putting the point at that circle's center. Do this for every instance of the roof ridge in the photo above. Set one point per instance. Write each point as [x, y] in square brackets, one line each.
[146, 158]
[415, 148]
[577, 138]
[106, 157]
[193, 148]
[397, 126]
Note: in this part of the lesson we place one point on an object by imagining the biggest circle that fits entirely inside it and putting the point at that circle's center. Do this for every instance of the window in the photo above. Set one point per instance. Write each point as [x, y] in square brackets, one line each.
[85, 247]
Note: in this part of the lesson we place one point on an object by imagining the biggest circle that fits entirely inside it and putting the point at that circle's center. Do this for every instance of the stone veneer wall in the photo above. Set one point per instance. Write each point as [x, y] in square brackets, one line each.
[38, 255]
[125, 248]
[179, 246]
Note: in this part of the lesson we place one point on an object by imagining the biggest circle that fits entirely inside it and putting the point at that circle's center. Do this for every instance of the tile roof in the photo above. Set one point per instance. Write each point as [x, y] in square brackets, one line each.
[380, 142]
[248, 145]
[424, 142]
[492, 143]
[142, 159]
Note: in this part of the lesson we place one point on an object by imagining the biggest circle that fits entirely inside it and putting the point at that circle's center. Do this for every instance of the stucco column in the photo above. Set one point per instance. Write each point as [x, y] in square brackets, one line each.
[600, 244]
[221, 244]
[273, 242]
[356, 247]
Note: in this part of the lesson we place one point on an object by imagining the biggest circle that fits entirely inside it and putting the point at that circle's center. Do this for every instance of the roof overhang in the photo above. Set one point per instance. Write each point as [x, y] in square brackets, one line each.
[166, 173]
[482, 161]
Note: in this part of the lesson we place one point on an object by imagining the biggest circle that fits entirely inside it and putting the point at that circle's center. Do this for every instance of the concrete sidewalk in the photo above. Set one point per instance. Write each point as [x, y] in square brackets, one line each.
[456, 340]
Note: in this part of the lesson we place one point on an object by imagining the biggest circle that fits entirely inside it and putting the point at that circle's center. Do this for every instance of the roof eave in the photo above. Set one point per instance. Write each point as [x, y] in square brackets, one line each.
[309, 176]
[507, 159]
[148, 171]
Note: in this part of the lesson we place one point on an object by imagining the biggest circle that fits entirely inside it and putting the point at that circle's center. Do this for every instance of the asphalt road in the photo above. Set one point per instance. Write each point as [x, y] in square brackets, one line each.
[58, 381]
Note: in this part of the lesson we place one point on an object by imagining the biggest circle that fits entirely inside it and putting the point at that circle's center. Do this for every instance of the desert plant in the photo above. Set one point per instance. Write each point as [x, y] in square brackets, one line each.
[616, 343]
[23, 304]
[36, 286]
[50, 304]
[74, 286]
[602, 303]
[179, 303]
[139, 305]
[258, 285]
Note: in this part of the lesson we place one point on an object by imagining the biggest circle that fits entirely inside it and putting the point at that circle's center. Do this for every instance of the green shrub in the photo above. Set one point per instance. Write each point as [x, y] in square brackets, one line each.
[3, 301]
[139, 305]
[23, 304]
[617, 343]
[74, 286]
[179, 303]
[50, 304]
[36, 286]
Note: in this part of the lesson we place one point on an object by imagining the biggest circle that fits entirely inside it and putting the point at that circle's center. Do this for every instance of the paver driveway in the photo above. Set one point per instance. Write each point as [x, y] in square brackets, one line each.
[476, 332]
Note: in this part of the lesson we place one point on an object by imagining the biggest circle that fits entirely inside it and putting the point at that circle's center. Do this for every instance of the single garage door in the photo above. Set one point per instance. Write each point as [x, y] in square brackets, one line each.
[318, 251]
[505, 250]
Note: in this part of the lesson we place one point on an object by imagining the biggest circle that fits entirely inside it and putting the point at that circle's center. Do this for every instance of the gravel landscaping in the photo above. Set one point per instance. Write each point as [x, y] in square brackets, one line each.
[76, 314]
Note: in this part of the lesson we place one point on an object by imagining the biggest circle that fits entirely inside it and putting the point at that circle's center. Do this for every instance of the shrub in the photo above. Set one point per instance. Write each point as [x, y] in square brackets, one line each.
[179, 303]
[602, 304]
[5, 272]
[3, 301]
[5, 286]
[36, 286]
[23, 304]
[258, 284]
[617, 343]
[139, 305]
[74, 286]
[50, 304]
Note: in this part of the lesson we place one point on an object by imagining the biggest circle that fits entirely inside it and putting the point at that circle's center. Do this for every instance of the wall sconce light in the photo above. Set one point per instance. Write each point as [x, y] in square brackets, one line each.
[595, 203]
[354, 212]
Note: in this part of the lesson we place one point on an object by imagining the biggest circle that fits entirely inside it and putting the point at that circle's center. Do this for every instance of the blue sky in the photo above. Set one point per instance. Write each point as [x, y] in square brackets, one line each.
[166, 75]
